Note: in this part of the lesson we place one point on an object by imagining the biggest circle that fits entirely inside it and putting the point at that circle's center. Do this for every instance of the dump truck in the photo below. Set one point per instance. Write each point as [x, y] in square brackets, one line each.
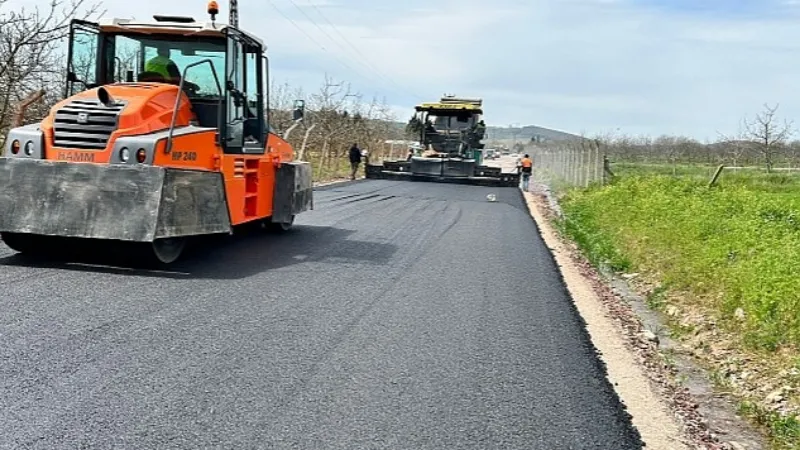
[451, 132]
[162, 135]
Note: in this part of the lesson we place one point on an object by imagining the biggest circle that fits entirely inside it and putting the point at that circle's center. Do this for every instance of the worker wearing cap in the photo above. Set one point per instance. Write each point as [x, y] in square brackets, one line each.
[480, 129]
[163, 65]
[526, 169]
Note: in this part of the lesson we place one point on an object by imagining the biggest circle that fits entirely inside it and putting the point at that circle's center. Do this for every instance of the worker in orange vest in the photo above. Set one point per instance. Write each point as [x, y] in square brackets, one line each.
[526, 169]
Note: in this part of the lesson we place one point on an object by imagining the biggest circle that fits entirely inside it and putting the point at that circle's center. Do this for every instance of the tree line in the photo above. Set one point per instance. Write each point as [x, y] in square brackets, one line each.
[336, 118]
[32, 70]
[763, 140]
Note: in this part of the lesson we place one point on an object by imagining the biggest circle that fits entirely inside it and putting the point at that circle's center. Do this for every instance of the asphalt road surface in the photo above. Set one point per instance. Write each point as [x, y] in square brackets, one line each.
[396, 315]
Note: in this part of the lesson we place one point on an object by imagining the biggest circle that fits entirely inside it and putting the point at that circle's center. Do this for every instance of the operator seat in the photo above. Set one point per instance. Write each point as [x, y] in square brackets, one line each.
[206, 111]
[151, 77]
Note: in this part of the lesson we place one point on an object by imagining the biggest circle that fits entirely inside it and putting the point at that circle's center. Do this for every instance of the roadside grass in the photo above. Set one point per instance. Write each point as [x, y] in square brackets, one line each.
[331, 169]
[782, 181]
[784, 431]
[682, 170]
[732, 250]
[326, 170]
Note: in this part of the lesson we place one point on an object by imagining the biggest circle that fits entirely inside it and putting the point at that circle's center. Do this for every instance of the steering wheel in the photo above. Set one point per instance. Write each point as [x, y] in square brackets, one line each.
[191, 88]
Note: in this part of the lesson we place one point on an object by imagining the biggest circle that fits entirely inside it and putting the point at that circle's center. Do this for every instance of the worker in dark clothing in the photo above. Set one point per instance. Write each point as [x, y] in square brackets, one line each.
[355, 160]
[480, 130]
[475, 133]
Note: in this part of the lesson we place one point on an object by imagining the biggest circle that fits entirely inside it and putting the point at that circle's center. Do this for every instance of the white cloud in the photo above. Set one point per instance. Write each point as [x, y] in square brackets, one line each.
[574, 65]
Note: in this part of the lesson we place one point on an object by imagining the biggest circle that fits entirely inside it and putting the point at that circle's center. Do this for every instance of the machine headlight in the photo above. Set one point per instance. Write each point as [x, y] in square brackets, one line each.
[141, 155]
[15, 146]
[124, 154]
[29, 148]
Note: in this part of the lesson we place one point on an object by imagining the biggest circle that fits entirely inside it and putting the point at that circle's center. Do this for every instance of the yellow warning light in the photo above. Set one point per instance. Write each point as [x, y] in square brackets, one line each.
[213, 9]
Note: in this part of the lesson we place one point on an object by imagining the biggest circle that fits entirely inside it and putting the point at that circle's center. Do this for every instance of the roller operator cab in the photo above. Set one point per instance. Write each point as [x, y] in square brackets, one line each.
[162, 134]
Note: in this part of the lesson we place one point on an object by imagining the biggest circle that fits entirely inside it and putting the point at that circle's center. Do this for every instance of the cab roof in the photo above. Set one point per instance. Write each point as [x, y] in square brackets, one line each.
[450, 108]
[185, 26]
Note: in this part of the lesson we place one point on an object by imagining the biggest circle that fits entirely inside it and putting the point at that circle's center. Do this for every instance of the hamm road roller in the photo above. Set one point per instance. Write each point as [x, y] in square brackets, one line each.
[161, 136]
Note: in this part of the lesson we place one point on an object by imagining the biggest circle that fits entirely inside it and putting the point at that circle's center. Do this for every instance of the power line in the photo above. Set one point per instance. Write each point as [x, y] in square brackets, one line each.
[345, 65]
[336, 29]
[322, 30]
[308, 35]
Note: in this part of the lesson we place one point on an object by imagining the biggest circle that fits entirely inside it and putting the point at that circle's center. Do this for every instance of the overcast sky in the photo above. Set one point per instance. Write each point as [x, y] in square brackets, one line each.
[691, 67]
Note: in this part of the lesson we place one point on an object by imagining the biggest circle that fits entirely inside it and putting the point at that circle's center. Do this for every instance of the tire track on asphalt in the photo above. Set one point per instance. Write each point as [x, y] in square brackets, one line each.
[410, 319]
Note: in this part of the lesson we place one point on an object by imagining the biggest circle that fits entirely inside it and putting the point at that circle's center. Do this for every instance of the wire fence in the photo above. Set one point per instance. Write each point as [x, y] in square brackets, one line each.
[568, 163]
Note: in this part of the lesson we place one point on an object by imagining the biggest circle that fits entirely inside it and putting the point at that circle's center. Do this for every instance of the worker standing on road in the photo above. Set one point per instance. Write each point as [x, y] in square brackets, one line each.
[526, 169]
[355, 160]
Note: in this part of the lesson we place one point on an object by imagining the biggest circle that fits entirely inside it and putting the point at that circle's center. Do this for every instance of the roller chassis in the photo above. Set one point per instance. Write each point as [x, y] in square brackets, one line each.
[53, 201]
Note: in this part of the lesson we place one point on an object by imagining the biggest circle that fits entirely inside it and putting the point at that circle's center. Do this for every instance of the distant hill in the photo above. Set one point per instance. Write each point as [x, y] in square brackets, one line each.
[527, 132]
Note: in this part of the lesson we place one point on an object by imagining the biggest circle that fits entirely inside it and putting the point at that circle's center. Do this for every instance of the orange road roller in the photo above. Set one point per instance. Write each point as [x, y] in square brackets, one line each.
[162, 135]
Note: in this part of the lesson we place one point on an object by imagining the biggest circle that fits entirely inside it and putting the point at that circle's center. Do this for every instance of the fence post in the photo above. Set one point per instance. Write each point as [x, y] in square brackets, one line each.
[587, 165]
[582, 167]
[716, 176]
[597, 163]
[607, 173]
[574, 168]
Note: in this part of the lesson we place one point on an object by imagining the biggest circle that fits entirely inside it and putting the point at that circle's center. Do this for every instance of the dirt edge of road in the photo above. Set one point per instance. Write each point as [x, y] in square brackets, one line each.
[650, 413]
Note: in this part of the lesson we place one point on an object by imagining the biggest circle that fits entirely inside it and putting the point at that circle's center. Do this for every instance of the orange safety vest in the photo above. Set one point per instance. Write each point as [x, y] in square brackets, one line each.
[526, 162]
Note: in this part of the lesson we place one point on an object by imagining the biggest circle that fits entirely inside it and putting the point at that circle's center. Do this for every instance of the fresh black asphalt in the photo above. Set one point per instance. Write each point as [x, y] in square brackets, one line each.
[396, 315]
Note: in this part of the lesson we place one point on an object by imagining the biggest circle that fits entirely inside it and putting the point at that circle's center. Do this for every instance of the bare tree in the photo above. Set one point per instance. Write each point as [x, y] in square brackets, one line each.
[793, 154]
[330, 106]
[768, 135]
[765, 139]
[736, 146]
[22, 107]
[281, 102]
[30, 57]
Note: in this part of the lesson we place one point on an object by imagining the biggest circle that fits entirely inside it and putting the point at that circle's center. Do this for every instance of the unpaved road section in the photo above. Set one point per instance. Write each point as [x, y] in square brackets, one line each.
[397, 315]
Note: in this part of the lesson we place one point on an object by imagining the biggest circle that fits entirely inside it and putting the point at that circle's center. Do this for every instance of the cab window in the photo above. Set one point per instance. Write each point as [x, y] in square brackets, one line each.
[131, 54]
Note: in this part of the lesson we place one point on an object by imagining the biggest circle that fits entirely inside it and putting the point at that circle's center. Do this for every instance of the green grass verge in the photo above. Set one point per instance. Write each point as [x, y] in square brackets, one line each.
[736, 245]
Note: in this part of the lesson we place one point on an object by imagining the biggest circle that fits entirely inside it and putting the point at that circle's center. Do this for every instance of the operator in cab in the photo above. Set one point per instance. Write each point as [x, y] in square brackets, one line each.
[526, 169]
[162, 64]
